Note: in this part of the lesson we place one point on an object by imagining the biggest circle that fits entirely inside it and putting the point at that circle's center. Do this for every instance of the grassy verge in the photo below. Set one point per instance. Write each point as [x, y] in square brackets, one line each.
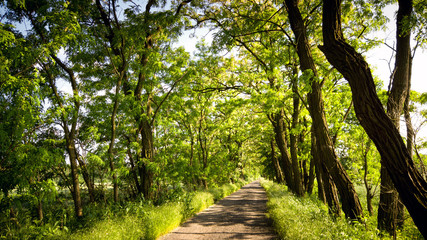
[308, 218]
[143, 221]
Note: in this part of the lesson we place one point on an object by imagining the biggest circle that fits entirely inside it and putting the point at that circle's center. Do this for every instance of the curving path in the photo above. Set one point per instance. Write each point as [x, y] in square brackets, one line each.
[238, 216]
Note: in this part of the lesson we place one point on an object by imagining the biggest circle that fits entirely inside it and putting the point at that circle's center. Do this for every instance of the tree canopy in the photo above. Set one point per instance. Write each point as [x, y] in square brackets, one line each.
[101, 99]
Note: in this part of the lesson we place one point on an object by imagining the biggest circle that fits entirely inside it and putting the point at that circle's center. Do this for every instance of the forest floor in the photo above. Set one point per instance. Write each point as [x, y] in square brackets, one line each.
[242, 215]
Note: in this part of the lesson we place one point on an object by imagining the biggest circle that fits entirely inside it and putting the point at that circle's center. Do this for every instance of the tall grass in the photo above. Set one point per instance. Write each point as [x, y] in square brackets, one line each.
[307, 218]
[115, 227]
[159, 220]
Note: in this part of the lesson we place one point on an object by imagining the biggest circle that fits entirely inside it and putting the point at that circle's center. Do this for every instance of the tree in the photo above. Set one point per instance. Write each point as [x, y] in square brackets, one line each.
[350, 201]
[390, 212]
[369, 111]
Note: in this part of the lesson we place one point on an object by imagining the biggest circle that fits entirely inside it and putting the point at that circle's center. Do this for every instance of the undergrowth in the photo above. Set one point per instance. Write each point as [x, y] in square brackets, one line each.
[307, 218]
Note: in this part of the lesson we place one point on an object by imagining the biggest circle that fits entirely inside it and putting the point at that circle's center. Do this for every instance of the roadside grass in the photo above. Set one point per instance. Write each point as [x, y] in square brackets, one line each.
[159, 220]
[198, 201]
[114, 227]
[146, 221]
[307, 218]
[224, 190]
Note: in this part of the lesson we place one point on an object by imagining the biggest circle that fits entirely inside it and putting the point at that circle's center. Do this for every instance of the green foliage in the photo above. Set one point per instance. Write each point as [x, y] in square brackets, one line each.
[208, 113]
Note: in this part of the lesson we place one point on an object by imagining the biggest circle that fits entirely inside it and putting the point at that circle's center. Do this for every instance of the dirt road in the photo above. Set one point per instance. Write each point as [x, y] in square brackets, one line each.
[238, 216]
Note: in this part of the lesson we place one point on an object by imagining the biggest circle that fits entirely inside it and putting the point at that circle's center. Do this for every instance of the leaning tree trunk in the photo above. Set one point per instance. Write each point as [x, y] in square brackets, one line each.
[371, 115]
[325, 148]
[390, 211]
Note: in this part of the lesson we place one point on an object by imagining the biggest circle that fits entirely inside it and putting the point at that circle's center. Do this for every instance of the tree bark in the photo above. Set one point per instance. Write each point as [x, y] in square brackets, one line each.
[40, 210]
[279, 134]
[277, 169]
[368, 186]
[325, 148]
[78, 210]
[133, 170]
[371, 115]
[203, 158]
[311, 177]
[327, 190]
[113, 135]
[86, 177]
[147, 156]
[390, 211]
[298, 180]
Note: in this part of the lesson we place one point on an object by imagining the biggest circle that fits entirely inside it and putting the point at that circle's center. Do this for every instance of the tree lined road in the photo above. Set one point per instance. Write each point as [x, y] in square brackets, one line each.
[238, 216]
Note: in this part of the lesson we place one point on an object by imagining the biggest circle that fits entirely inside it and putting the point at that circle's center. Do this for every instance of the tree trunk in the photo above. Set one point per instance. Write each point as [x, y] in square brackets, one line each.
[371, 115]
[279, 130]
[203, 149]
[147, 156]
[277, 169]
[390, 212]
[75, 178]
[368, 186]
[311, 177]
[388, 207]
[325, 148]
[191, 147]
[410, 134]
[327, 190]
[133, 171]
[118, 51]
[86, 177]
[40, 210]
[298, 180]
[113, 137]
[311, 173]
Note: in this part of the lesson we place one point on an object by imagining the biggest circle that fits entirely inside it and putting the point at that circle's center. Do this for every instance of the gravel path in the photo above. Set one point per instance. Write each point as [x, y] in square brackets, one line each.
[238, 216]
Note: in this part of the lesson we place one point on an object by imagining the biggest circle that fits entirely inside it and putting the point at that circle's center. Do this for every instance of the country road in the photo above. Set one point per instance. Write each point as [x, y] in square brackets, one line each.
[238, 216]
